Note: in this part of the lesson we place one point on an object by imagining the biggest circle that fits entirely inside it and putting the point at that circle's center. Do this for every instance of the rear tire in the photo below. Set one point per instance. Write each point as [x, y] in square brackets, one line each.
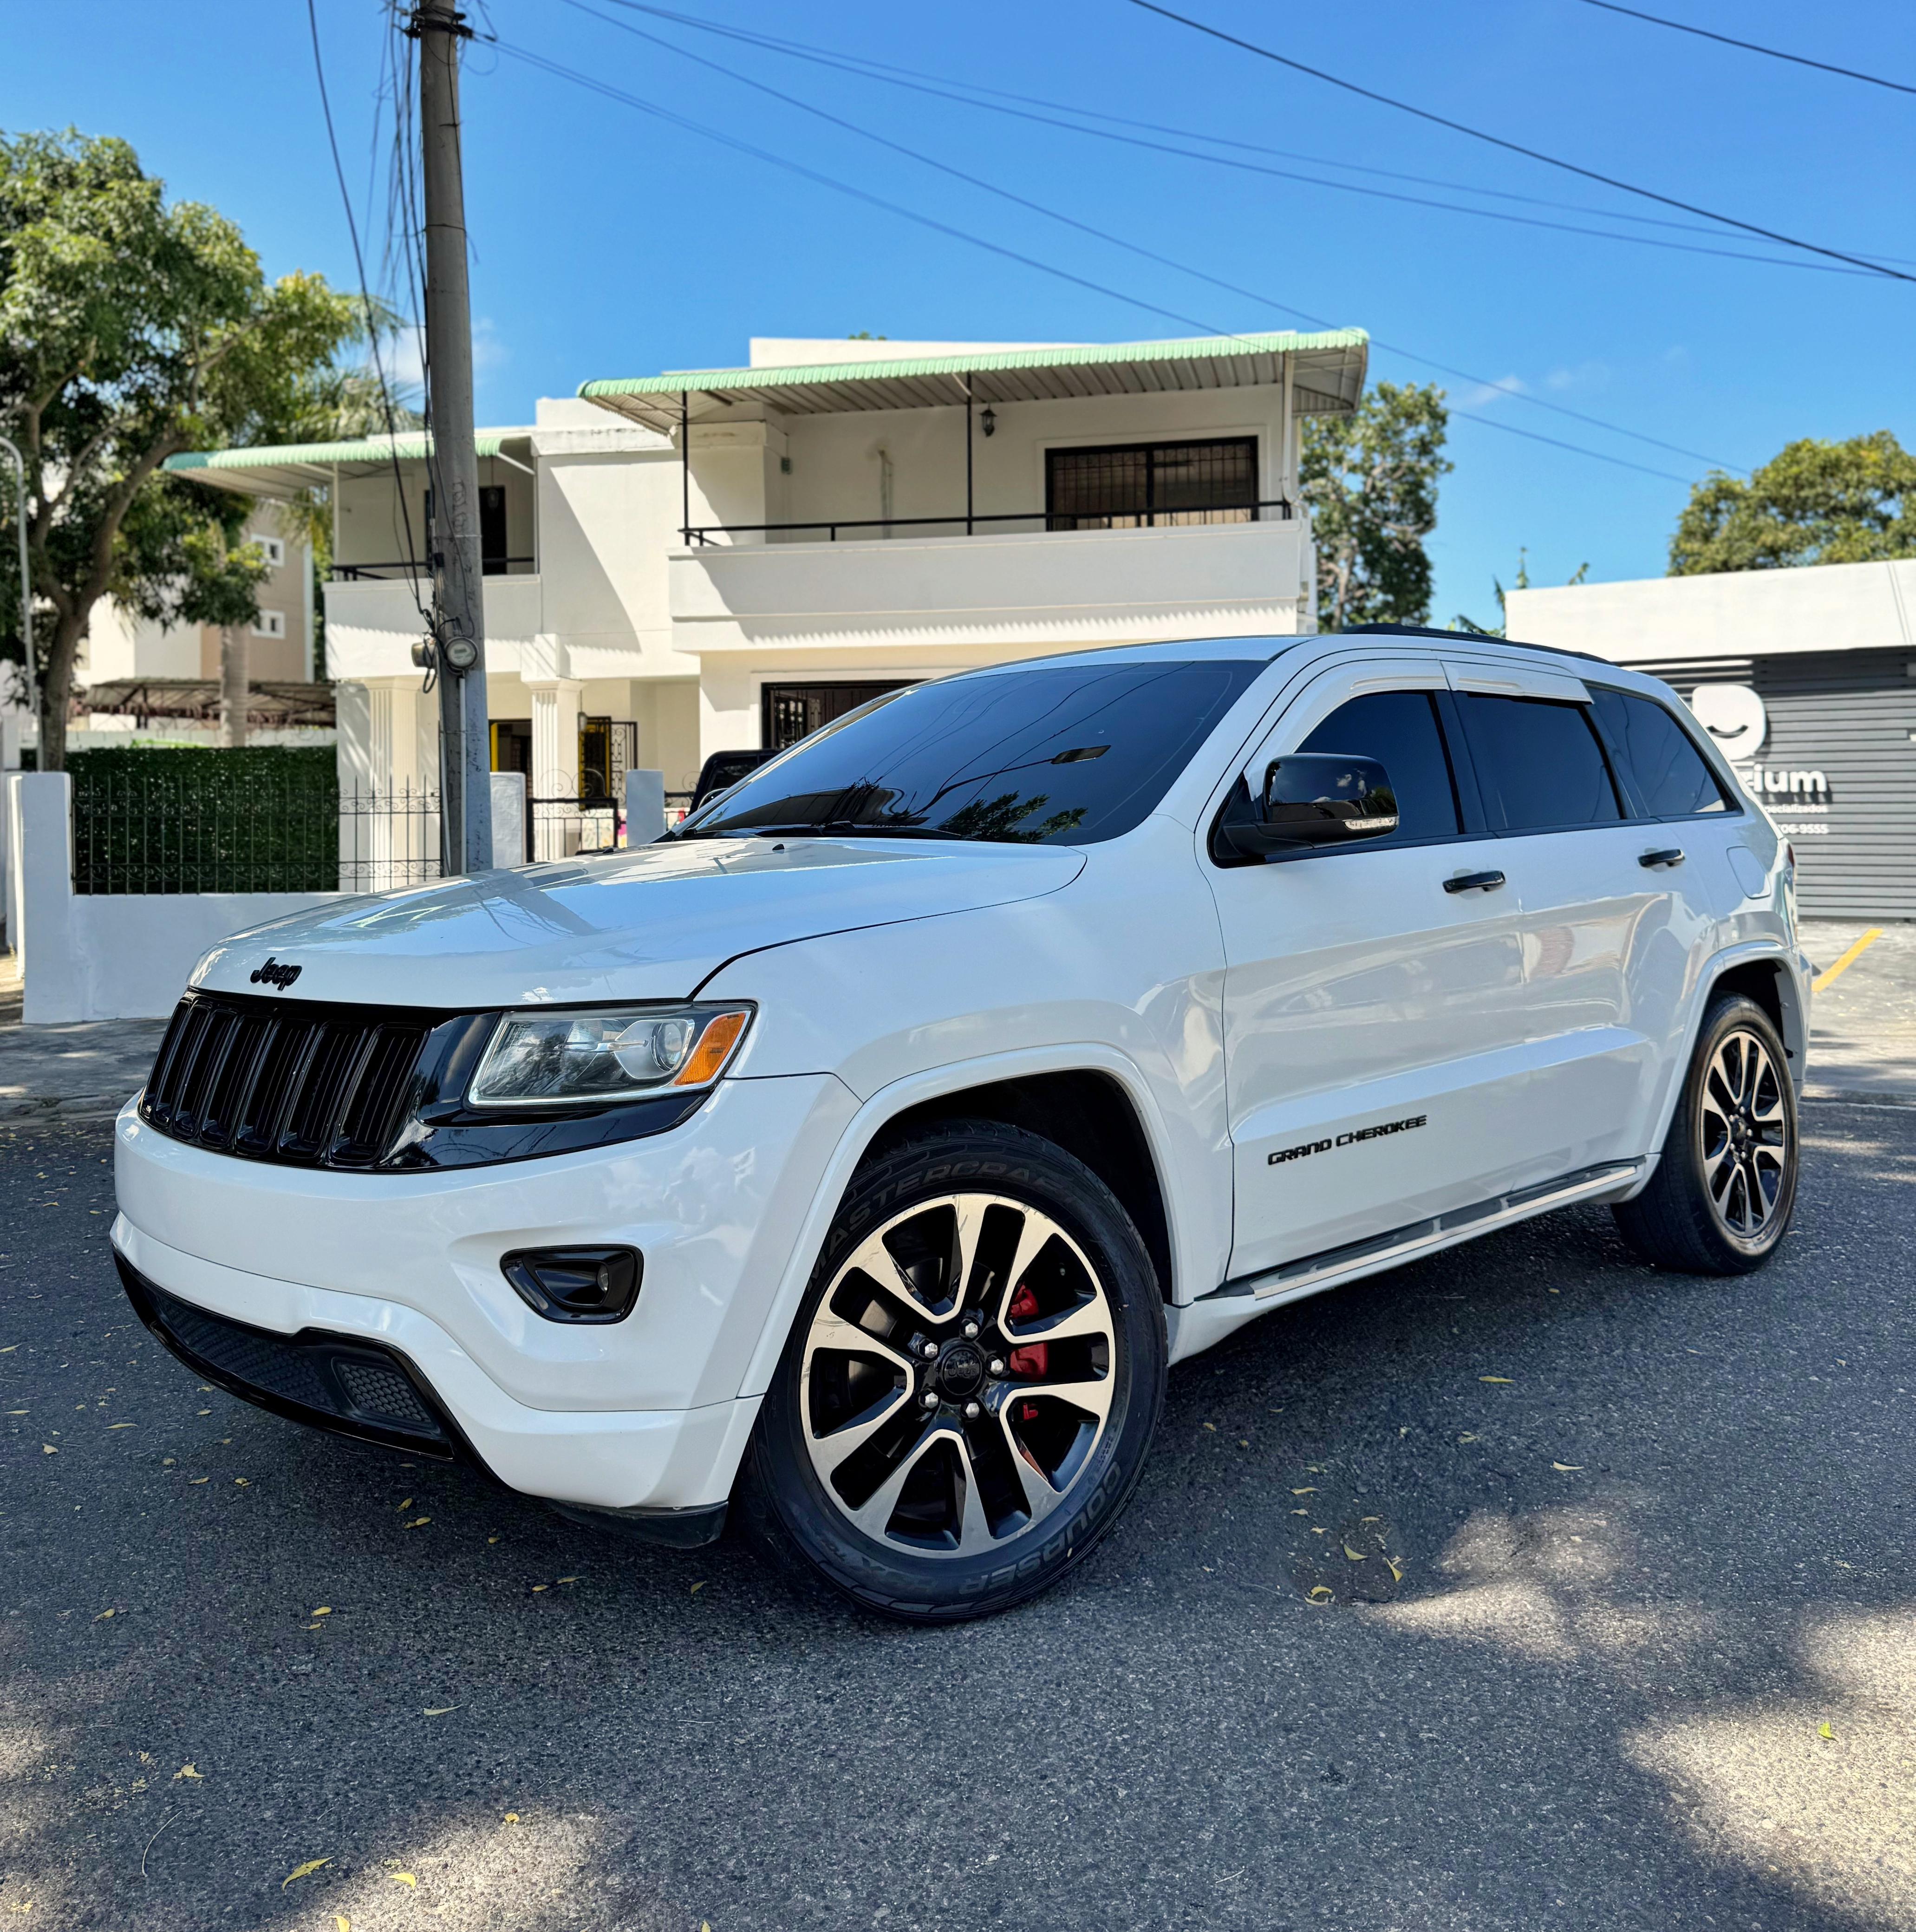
[965, 1406]
[1725, 1188]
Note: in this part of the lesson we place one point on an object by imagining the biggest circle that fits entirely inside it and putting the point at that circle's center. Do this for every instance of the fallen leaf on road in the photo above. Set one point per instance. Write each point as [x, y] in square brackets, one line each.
[418, 1523]
[1494, 1378]
[242, 1483]
[104, 1615]
[1310, 1492]
[1567, 1467]
[303, 1871]
[112, 1426]
[405, 1506]
[537, 1587]
[1355, 1555]
[1322, 1593]
[405, 1878]
[698, 1586]
[187, 1770]
[512, 1817]
[1467, 1439]
[1823, 1731]
[193, 1482]
[9, 1349]
[324, 1610]
[341, 1923]
[47, 1449]
[1300, 1512]
[442, 1710]
[1396, 1573]
[1211, 1427]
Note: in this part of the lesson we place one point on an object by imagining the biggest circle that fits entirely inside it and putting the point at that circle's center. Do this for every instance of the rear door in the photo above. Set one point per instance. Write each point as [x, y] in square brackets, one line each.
[1604, 961]
[1370, 1014]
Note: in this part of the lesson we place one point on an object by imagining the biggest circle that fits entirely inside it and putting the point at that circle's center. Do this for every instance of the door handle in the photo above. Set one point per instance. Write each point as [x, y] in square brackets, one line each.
[1474, 882]
[1672, 857]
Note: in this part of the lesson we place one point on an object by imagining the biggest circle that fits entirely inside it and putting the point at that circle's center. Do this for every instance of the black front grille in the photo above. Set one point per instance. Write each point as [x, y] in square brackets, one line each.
[355, 1388]
[283, 1080]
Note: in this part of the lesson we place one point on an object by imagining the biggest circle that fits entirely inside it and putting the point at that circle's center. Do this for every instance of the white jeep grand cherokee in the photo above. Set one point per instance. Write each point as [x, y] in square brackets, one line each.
[864, 1151]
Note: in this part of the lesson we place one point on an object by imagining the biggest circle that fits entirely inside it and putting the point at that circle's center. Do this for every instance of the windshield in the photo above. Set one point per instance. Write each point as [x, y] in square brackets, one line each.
[1065, 755]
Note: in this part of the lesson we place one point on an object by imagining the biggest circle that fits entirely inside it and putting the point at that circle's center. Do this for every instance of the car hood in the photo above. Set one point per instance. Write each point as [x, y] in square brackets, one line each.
[651, 923]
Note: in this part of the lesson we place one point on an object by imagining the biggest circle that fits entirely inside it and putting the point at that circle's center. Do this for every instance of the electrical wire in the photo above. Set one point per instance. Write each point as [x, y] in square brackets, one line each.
[1515, 148]
[943, 87]
[606, 89]
[1751, 46]
[366, 302]
[1151, 255]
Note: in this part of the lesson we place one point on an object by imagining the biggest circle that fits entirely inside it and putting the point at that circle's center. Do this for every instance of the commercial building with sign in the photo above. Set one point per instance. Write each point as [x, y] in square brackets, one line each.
[1807, 679]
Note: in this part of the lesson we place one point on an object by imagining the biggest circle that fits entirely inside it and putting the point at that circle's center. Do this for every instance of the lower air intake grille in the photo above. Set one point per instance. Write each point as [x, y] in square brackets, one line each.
[355, 1388]
[284, 1080]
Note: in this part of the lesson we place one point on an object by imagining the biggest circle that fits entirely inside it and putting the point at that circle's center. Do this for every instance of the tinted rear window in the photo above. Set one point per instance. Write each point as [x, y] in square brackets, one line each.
[1399, 729]
[1538, 763]
[1656, 758]
[1068, 755]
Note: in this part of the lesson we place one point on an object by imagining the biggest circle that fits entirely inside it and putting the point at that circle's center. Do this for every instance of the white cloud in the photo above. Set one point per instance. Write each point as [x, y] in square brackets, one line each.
[1491, 392]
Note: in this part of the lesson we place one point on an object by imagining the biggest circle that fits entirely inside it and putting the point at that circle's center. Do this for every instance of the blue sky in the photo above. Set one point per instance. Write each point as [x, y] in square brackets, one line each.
[610, 242]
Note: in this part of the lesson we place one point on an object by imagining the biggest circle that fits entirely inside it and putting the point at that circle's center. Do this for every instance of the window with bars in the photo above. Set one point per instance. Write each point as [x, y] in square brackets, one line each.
[1144, 485]
[791, 712]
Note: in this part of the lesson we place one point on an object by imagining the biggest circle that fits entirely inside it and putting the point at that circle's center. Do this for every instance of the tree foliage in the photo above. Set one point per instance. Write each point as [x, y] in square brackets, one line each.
[1370, 481]
[1814, 502]
[132, 329]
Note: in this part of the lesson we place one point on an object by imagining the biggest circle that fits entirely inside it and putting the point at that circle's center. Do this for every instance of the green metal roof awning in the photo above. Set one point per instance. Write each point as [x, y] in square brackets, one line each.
[1328, 374]
[285, 470]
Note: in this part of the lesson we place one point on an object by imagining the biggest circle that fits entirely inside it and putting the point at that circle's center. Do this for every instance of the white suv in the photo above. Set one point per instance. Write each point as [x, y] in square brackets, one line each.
[862, 1152]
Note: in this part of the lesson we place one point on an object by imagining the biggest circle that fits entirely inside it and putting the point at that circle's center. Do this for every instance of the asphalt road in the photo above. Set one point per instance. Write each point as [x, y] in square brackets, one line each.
[1653, 1539]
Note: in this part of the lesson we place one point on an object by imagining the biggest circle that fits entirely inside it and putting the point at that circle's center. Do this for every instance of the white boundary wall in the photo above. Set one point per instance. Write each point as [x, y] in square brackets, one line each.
[106, 956]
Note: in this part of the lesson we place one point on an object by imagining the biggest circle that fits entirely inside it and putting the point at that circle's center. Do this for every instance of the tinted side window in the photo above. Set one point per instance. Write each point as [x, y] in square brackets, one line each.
[1538, 763]
[1399, 729]
[1656, 756]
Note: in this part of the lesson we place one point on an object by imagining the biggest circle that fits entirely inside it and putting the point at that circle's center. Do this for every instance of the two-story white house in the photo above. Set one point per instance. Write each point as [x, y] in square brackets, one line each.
[717, 559]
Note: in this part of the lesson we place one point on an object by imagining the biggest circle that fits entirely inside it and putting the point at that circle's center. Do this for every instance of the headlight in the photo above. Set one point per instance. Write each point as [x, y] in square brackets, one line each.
[548, 1059]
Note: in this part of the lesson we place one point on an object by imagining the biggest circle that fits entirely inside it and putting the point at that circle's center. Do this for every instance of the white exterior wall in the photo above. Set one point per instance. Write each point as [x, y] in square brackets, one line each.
[1743, 614]
[621, 619]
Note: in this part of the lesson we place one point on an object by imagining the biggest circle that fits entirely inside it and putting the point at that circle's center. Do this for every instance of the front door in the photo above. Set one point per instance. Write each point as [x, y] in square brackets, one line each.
[1372, 1016]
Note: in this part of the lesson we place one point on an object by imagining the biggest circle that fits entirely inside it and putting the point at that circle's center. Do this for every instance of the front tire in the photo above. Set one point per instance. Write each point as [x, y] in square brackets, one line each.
[1722, 1196]
[964, 1407]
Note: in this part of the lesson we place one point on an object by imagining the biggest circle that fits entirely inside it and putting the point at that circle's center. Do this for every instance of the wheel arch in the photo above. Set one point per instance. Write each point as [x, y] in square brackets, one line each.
[1766, 977]
[1050, 1093]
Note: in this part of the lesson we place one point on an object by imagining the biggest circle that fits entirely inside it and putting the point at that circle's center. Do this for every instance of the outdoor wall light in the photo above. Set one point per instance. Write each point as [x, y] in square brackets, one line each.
[988, 421]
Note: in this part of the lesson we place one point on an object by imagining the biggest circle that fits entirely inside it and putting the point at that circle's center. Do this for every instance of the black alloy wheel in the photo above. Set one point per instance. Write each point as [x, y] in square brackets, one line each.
[964, 1407]
[1725, 1188]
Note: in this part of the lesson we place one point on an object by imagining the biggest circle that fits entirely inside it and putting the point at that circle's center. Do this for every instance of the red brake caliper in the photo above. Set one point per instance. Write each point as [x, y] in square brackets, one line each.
[1032, 1361]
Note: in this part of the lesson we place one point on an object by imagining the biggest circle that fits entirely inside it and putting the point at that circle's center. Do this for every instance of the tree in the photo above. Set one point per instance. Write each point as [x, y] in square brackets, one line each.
[1520, 582]
[1370, 481]
[131, 330]
[1814, 502]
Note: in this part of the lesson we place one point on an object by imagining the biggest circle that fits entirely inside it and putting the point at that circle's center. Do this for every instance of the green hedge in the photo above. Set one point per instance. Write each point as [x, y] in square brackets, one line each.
[182, 819]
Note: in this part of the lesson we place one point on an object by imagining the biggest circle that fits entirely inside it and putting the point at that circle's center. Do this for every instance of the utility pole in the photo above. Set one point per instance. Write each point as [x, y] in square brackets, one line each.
[453, 541]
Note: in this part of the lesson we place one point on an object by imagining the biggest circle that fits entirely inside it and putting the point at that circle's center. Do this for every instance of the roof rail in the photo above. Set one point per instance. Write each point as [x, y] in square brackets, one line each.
[1466, 637]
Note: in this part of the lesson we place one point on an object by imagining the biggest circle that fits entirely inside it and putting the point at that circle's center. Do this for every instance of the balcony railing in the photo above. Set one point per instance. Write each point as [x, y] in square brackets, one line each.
[1183, 515]
[380, 573]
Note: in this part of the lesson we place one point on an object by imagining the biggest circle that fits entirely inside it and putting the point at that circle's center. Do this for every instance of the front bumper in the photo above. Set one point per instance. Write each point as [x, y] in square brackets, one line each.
[644, 1414]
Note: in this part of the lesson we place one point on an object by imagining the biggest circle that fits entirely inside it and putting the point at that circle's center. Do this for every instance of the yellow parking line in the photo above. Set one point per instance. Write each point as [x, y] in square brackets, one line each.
[1848, 959]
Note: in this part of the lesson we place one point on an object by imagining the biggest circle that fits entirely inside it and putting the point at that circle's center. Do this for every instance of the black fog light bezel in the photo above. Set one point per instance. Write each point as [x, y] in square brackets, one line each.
[532, 1272]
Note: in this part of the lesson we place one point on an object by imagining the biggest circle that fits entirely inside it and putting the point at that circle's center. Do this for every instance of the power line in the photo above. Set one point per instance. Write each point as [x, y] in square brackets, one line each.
[644, 106]
[1515, 148]
[942, 88]
[365, 301]
[1751, 46]
[1148, 254]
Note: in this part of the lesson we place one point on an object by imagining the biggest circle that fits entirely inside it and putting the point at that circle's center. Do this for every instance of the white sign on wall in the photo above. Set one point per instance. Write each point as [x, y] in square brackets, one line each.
[1734, 716]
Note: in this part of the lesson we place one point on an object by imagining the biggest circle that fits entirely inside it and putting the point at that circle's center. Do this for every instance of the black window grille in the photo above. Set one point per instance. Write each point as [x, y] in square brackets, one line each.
[1148, 485]
[790, 712]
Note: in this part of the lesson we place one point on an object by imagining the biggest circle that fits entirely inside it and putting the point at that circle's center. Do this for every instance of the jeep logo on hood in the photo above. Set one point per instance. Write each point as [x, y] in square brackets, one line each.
[273, 974]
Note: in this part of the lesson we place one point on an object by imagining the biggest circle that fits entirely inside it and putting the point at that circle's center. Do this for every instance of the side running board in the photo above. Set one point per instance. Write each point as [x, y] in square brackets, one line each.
[1403, 1244]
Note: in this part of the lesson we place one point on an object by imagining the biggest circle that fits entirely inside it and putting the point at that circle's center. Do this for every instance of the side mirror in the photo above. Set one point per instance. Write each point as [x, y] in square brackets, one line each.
[1317, 798]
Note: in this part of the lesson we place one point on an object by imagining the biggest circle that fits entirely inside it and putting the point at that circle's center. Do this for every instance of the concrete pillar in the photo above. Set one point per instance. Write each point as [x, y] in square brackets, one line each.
[40, 917]
[508, 818]
[554, 737]
[645, 807]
